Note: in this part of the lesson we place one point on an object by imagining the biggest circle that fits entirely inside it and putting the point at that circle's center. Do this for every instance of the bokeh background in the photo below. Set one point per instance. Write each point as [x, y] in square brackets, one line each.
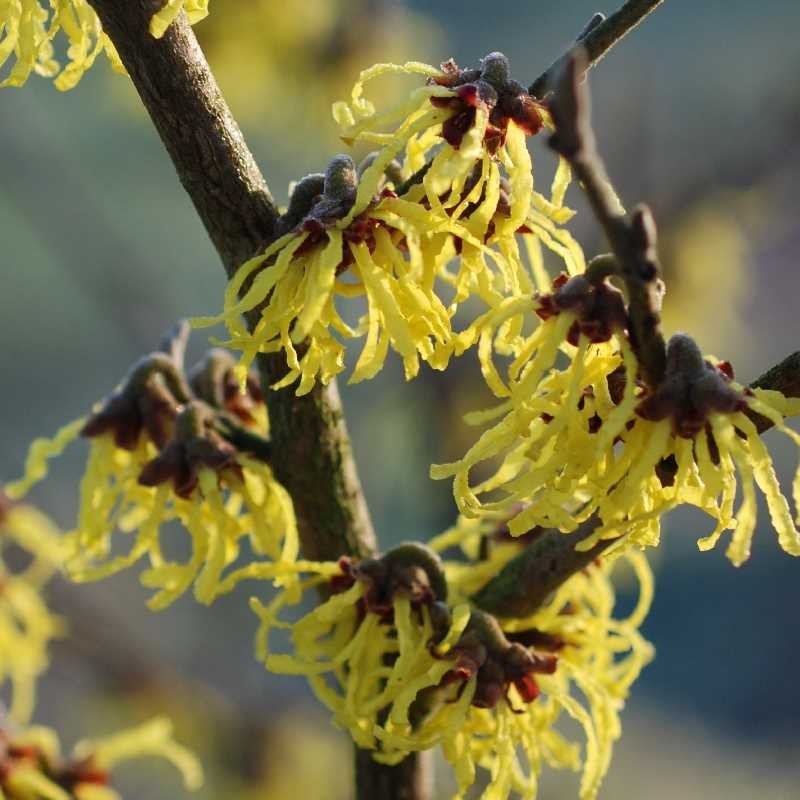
[698, 113]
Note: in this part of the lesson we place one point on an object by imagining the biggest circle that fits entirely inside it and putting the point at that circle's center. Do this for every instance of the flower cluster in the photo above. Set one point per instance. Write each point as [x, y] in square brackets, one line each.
[433, 217]
[693, 441]
[593, 439]
[440, 221]
[166, 447]
[331, 232]
[28, 28]
[32, 766]
[402, 669]
[555, 422]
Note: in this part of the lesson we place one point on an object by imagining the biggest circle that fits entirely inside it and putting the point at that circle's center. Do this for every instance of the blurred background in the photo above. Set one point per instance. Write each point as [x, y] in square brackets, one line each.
[697, 113]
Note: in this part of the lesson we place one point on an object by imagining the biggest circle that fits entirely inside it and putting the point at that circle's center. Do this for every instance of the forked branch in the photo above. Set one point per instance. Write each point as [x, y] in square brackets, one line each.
[526, 581]
[632, 237]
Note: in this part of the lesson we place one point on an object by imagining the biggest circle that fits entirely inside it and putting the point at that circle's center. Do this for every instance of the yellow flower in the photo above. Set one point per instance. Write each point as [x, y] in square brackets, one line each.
[32, 766]
[598, 658]
[692, 441]
[461, 140]
[402, 671]
[590, 440]
[26, 625]
[465, 195]
[340, 245]
[555, 422]
[365, 651]
[597, 655]
[28, 27]
[24, 32]
[149, 434]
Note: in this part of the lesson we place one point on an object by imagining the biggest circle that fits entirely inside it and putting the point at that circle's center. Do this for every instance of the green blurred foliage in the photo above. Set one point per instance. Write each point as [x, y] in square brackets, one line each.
[280, 68]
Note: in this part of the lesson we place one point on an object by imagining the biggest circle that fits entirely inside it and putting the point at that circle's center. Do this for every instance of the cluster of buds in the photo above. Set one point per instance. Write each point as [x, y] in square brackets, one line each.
[693, 388]
[148, 401]
[184, 416]
[491, 88]
[484, 651]
[170, 446]
[410, 569]
[598, 307]
[195, 446]
[336, 223]
[213, 380]
[319, 200]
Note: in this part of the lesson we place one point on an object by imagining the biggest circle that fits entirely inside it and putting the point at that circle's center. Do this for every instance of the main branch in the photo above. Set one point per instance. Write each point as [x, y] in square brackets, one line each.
[196, 126]
[310, 449]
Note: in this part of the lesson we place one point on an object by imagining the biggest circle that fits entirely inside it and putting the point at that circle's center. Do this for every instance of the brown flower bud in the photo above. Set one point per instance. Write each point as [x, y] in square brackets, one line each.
[195, 445]
[148, 400]
[693, 388]
[214, 381]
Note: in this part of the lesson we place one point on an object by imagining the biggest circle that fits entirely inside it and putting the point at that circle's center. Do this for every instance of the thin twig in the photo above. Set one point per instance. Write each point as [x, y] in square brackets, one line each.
[598, 37]
[632, 237]
[174, 342]
[245, 440]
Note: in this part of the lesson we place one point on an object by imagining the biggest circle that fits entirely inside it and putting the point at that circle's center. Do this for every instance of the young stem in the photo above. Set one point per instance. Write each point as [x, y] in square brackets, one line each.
[409, 780]
[600, 37]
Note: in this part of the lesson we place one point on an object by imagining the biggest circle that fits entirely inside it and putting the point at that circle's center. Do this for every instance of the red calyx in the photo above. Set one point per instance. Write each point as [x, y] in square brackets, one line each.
[598, 307]
[504, 99]
[527, 687]
[484, 652]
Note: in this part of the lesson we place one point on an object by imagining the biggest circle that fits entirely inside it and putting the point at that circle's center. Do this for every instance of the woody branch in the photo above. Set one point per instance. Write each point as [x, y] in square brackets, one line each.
[310, 450]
